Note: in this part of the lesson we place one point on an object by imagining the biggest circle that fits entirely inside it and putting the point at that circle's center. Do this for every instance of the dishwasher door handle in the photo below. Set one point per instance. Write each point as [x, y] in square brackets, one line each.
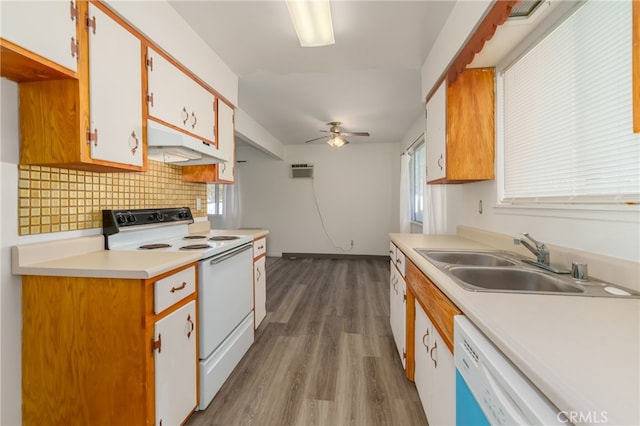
[229, 254]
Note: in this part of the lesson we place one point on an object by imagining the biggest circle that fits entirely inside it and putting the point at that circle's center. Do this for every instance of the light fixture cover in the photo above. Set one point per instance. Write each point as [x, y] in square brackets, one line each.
[336, 141]
[312, 22]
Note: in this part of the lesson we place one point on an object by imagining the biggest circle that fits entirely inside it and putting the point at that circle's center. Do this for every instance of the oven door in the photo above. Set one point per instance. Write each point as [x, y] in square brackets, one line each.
[225, 295]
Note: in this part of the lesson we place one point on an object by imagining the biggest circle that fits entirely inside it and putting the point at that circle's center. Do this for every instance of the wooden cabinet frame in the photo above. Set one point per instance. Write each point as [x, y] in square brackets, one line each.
[87, 353]
[437, 306]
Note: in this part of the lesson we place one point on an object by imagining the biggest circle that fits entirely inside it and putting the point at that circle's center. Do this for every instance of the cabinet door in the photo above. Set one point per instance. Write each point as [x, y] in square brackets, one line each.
[437, 134]
[259, 290]
[226, 133]
[46, 28]
[176, 366]
[178, 100]
[443, 392]
[423, 373]
[115, 84]
[397, 312]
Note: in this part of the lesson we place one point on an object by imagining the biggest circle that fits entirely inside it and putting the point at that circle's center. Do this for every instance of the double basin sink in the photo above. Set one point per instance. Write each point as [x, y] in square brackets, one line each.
[504, 271]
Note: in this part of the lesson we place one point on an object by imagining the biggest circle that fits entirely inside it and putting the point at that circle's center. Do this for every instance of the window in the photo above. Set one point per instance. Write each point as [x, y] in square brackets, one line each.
[568, 133]
[215, 198]
[417, 175]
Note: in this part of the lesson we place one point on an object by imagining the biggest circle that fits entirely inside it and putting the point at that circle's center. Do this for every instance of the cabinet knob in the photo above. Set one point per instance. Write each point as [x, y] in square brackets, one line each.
[194, 120]
[424, 337]
[440, 162]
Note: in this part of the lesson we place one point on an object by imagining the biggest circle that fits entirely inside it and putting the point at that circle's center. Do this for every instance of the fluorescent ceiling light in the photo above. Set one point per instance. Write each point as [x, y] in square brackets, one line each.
[312, 21]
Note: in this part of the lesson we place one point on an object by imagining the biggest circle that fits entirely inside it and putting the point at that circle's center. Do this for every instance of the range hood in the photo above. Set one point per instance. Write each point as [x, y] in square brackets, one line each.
[171, 146]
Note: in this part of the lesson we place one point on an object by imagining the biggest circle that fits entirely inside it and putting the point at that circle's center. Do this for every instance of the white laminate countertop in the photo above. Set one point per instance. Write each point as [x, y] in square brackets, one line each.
[86, 257]
[583, 353]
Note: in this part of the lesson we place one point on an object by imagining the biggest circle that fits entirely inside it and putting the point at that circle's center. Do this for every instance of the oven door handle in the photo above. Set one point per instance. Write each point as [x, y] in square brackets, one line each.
[232, 253]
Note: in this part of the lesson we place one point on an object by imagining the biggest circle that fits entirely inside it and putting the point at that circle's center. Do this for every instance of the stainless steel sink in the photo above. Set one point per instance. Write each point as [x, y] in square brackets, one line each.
[467, 258]
[510, 279]
[505, 271]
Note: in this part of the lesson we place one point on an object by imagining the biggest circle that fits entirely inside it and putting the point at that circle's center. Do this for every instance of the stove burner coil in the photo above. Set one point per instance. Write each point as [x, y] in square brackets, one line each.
[224, 238]
[154, 246]
[194, 237]
[195, 247]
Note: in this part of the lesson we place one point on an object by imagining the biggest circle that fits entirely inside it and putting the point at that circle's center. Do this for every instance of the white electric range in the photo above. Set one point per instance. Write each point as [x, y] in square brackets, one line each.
[225, 283]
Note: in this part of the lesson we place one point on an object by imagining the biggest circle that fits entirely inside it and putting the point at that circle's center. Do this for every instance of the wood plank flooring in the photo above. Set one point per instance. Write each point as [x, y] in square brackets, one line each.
[324, 355]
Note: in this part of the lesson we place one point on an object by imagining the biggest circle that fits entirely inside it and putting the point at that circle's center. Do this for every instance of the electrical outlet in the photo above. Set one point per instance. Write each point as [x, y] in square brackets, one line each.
[198, 204]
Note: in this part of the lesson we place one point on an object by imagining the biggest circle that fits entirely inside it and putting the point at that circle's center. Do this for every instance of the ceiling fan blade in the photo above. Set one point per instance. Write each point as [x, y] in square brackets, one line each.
[316, 139]
[355, 133]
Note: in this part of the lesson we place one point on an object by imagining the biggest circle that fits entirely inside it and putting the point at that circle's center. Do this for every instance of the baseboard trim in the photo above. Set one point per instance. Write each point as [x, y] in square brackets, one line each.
[336, 256]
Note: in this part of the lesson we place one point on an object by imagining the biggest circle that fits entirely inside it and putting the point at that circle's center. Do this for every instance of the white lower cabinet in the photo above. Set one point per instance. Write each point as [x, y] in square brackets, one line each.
[398, 311]
[260, 290]
[176, 365]
[434, 372]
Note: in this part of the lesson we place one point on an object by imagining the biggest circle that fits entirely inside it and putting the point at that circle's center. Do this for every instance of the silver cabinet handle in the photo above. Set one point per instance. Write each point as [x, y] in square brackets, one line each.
[435, 346]
[191, 324]
[424, 337]
[185, 116]
[134, 143]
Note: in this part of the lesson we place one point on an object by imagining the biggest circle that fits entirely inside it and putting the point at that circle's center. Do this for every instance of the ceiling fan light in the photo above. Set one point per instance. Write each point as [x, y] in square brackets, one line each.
[336, 142]
[312, 22]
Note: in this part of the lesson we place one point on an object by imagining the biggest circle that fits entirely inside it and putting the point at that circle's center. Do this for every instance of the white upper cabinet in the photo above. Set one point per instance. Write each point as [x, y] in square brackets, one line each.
[226, 134]
[177, 100]
[116, 87]
[46, 28]
[437, 134]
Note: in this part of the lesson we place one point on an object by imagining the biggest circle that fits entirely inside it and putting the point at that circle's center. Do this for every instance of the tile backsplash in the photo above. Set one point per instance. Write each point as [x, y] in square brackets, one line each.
[53, 200]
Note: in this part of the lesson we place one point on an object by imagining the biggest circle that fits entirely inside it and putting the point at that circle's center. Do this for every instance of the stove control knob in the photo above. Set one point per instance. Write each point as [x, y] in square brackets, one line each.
[182, 214]
[131, 218]
[121, 219]
[159, 217]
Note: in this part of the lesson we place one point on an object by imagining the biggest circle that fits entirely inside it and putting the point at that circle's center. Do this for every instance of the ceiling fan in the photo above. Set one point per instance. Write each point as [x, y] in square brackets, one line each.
[336, 135]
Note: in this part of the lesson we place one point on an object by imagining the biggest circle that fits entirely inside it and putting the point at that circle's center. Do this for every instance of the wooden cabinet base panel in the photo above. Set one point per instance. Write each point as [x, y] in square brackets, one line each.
[84, 359]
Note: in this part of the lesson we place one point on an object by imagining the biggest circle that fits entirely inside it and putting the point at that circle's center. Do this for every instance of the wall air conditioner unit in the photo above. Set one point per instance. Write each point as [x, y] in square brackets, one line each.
[302, 170]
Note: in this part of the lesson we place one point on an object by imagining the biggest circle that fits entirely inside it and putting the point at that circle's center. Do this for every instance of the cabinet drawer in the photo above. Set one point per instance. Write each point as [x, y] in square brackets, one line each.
[400, 262]
[259, 247]
[173, 288]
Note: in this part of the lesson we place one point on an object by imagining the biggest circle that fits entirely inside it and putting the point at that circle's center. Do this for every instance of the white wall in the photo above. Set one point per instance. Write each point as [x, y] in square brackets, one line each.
[252, 132]
[458, 28]
[356, 188]
[606, 233]
[10, 288]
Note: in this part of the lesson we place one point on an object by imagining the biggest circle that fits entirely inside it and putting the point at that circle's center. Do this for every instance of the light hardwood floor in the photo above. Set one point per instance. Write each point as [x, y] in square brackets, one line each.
[324, 355]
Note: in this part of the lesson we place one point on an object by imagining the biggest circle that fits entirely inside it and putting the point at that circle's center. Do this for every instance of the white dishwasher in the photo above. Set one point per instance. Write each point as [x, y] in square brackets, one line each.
[489, 389]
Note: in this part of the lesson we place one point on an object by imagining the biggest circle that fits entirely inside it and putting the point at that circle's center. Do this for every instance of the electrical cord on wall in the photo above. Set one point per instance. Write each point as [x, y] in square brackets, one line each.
[324, 228]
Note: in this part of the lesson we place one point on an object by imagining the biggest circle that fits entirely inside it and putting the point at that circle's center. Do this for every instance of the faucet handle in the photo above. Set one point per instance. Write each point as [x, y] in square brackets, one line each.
[538, 244]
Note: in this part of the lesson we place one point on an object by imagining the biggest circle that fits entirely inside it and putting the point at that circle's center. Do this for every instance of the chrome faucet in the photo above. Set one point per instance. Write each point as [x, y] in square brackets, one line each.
[540, 250]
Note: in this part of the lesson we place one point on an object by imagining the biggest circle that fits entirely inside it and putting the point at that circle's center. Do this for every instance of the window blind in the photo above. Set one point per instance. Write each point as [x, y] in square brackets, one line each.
[568, 131]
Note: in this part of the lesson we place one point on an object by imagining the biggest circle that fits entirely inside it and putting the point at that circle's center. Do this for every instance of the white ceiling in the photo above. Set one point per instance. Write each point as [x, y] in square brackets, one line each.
[369, 79]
